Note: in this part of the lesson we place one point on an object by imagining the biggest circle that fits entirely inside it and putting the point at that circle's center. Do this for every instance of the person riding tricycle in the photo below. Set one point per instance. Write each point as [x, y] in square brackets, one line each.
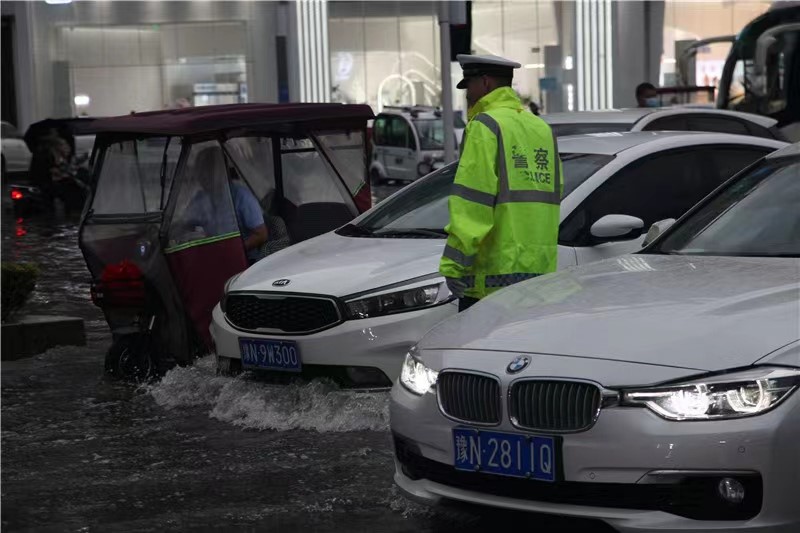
[182, 200]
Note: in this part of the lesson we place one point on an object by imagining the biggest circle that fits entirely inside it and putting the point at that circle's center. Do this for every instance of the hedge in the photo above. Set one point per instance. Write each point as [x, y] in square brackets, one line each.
[18, 281]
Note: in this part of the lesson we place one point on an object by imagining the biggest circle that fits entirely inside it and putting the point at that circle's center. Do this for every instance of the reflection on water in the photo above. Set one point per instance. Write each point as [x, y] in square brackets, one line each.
[51, 242]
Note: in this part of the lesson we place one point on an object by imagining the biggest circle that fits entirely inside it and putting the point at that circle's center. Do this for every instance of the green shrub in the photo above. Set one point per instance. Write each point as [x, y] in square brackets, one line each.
[18, 281]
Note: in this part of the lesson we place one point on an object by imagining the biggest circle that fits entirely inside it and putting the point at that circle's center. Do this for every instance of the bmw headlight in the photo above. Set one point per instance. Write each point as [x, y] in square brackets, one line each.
[398, 301]
[735, 395]
[415, 376]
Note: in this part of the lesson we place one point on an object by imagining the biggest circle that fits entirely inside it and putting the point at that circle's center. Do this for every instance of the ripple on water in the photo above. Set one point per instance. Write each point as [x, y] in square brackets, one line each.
[318, 405]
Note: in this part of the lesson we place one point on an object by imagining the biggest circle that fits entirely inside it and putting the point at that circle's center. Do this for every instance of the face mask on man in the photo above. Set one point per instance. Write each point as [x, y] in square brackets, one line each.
[651, 102]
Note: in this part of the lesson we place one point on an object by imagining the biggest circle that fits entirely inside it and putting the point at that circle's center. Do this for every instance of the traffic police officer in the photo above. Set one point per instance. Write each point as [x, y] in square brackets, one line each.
[504, 206]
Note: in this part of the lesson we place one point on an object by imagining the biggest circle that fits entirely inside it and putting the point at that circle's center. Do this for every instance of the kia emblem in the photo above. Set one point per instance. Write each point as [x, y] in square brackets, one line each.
[281, 283]
[519, 363]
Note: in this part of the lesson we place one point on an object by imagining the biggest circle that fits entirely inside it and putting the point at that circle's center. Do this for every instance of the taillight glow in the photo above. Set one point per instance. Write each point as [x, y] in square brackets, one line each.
[16, 194]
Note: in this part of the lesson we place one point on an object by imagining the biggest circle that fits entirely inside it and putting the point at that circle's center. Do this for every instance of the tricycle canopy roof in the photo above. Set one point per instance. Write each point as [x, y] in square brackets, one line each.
[237, 117]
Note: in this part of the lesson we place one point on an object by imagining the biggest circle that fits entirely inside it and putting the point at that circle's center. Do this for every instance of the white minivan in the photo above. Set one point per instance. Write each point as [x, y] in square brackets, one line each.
[408, 142]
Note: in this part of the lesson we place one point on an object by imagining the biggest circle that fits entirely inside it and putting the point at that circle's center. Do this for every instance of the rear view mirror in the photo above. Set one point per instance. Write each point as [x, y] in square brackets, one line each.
[657, 229]
[617, 227]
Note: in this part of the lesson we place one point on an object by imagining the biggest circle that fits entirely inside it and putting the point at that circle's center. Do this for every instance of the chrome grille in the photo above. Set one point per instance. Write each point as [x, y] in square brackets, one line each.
[554, 405]
[280, 313]
[469, 397]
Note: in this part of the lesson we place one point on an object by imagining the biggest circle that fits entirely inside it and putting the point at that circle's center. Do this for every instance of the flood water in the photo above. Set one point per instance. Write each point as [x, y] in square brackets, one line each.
[193, 451]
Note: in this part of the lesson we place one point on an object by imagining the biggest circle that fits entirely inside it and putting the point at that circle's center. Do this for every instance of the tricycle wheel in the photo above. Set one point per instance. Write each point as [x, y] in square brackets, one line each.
[129, 359]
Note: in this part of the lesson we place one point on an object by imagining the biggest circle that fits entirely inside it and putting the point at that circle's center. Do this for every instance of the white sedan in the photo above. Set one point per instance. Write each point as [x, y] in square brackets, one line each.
[656, 391]
[15, 155]
[683, 118]
[351, 302]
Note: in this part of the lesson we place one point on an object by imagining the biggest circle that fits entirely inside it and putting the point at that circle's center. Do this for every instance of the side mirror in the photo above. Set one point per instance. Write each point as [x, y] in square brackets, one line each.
[657, 229]
[617, 228]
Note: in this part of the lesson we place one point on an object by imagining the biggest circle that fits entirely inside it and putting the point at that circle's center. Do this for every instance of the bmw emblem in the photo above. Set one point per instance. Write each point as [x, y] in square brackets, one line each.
[280, 283]
[517, 364]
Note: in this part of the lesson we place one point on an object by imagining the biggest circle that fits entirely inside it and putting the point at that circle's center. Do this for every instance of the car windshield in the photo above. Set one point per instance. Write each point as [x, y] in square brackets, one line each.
[578, 128]
[757, 214]
[431, 133]
[420, 210]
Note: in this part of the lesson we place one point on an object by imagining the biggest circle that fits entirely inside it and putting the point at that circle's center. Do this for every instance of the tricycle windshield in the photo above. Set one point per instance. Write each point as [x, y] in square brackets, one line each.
[136, 176]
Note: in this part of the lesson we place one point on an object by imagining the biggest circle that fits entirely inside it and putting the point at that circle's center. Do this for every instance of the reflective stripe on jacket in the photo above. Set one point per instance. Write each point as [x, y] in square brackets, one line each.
[504, 206]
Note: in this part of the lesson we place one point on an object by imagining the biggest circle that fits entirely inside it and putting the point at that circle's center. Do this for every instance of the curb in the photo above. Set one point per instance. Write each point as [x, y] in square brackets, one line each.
[34, 334]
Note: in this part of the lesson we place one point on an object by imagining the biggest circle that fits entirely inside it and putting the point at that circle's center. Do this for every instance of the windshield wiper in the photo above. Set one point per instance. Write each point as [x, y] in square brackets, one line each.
[666, 252]
[413, 232]
[351, 230]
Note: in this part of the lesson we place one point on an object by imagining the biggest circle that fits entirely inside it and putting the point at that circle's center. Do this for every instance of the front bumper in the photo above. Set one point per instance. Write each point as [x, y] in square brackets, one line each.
[632, 469]
[379, 342]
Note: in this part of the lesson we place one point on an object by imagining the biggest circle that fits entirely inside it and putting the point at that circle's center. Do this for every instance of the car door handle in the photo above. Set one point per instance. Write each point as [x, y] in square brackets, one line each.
[398, 160]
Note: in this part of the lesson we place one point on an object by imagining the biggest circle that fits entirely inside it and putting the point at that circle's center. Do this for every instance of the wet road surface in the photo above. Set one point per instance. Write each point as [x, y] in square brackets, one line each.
[194, 451]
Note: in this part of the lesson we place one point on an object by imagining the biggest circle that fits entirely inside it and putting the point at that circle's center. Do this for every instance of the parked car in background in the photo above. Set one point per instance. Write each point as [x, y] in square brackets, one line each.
[656, 391]
[689, 118]
[15, 154]
[407, 142]
[351, 302]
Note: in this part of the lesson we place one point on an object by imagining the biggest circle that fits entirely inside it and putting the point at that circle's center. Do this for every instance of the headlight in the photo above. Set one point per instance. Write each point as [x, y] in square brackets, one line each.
[417, 377]
[747, 393]
[398, 301]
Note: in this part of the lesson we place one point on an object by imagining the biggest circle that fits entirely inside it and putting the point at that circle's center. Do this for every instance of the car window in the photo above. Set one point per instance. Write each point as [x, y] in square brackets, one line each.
[671, 123]
[728, 160]
[431, 133]
[399, 133]
[379, 131]
[717, 124]
[562, 130]
[754, 215]
[760, 131]
[579, 167]
[654, 188]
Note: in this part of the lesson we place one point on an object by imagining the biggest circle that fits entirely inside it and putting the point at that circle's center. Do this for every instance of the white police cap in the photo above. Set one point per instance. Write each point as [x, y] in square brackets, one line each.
[488, 65]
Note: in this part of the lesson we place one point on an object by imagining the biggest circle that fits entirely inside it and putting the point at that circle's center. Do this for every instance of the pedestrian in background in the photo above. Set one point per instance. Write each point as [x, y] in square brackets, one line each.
[504, 206]
[646, 95]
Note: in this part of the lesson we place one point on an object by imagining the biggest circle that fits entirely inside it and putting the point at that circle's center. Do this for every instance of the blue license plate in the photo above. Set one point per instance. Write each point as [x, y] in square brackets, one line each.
[506, 454]
[270, 354]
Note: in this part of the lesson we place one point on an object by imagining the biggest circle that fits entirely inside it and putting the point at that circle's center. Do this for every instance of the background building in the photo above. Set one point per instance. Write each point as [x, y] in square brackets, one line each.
[109, 58]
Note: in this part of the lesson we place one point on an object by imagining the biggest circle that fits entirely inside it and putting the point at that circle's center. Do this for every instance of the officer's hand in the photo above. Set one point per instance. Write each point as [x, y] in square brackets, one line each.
[456, 286]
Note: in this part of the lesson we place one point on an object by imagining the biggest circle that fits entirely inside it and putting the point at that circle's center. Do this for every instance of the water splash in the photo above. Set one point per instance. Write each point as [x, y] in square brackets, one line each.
[318, 405]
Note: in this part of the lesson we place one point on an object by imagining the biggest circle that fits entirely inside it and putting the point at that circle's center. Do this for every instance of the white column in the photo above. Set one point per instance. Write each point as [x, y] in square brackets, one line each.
[313, 54]
[594, 54]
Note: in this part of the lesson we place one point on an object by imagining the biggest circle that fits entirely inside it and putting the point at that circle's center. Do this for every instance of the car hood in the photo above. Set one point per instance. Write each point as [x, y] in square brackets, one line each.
[693, 312]
[338, 266]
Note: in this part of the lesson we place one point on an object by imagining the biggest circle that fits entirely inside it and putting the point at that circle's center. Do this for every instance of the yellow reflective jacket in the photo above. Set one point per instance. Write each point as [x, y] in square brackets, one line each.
[504, 206]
